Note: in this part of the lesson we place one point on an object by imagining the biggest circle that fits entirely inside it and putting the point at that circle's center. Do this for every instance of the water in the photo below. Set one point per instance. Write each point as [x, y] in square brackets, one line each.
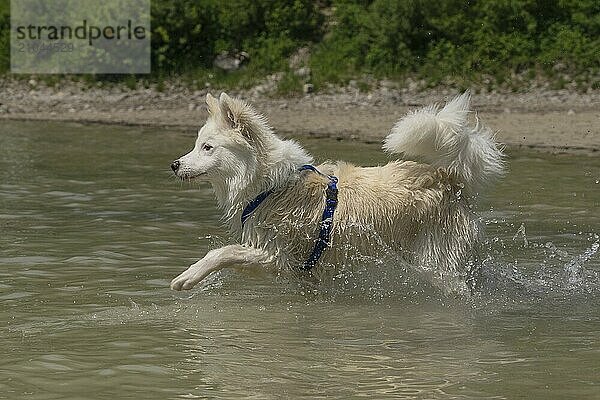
[93, 228]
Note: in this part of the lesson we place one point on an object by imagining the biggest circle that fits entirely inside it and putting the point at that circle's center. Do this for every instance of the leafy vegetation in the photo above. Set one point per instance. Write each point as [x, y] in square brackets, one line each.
[442, 42]
[188, 34]
[454, 38]
[4, 36]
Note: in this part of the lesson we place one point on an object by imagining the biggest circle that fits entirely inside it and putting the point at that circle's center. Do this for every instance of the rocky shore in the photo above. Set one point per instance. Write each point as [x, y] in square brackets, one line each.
[557, 121]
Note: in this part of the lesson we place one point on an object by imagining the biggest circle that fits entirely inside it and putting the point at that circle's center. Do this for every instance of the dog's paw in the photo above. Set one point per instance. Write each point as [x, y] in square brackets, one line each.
[189, 278]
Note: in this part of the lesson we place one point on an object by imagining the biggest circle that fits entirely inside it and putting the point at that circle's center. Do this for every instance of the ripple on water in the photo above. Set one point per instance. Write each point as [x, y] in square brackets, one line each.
[16, 295]
[27, 261]
[88, 249]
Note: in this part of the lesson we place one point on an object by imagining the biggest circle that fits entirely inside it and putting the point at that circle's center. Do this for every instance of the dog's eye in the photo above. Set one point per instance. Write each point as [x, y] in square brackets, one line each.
[206, 147]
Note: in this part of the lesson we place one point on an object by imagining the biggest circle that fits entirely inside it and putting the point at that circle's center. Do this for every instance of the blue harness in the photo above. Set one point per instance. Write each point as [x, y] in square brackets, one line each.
[331, 201]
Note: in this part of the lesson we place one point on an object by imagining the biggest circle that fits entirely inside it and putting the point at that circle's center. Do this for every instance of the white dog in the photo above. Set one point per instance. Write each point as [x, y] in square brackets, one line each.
[293, 215]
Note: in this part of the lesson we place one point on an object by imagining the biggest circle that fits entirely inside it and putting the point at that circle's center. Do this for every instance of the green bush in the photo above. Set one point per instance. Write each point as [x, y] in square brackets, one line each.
[378, 38]
[453, 38]
[183, 34]
[4, 35]
[350, 39]
[188, 34]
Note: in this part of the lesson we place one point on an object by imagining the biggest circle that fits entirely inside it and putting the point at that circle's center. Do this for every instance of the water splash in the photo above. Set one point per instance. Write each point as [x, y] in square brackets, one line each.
[575, 275]
[521, 232]
[543, 270]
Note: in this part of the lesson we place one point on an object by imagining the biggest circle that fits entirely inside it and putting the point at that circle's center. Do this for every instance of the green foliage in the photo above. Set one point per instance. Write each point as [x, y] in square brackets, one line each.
[188, 34]
[4, 35]
[130, 82]
[453, 38]
[450, 40]
[289, 84]
[180, 32]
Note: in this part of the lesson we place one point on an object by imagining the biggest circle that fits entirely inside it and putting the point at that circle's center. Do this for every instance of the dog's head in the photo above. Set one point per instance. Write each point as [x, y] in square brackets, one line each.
[228, 144]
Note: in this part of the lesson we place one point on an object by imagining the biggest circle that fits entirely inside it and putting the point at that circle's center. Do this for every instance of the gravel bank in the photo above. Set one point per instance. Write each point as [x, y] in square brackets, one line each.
[557, 121]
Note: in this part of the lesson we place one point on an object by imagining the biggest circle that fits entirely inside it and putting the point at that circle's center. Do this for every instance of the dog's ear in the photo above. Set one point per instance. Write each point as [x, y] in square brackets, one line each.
[212, 104]
[238, 115]
[230, 111]
[241, 117]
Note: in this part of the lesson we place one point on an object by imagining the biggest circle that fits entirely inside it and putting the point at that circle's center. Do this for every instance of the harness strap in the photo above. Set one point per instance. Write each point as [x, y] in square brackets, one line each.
[253, 205]
[331, 201]
[324, 239]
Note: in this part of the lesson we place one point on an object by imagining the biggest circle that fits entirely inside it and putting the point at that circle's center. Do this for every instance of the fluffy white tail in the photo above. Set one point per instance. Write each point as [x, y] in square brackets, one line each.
[444, 139]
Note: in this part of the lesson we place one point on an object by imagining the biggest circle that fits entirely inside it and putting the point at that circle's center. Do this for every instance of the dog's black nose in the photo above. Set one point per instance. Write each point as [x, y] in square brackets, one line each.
[175, 165]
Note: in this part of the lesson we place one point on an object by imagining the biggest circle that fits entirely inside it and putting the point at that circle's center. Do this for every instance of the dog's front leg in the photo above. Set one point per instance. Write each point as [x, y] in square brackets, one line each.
[234, 255]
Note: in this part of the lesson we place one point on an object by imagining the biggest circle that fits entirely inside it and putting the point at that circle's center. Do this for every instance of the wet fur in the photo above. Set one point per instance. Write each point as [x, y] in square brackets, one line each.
[419, 210]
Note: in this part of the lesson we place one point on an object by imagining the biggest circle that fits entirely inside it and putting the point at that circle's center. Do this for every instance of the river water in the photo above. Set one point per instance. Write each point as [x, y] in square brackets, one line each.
[93, 227]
